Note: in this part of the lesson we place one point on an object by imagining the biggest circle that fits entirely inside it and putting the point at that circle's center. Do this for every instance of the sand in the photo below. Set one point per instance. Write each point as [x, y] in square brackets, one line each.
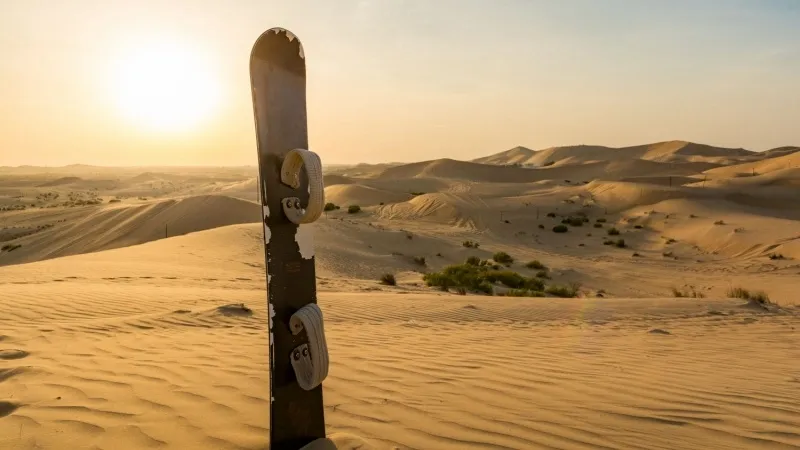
[117, 334]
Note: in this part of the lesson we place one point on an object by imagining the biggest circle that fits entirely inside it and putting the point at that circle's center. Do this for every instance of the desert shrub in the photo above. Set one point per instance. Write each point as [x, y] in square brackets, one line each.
[543, 274]
[352, 209]
[503, 258]
[524, 293]
[388, 279]
[535, 264]
[541, 227]
[745, 294]
[776, 256]
[417, 193]
[329, 206]
[620, 243]
[601, 220]
[480, 278]
[10, 247]
[598, 225]
[564, 291]
[719, 222]
[671, 241]
[760, 297]
[573, 221]
[687, 292]
[613, 232]
[420, 260]
[636, 255]
[470, 244]
[461, 290]
[473, 261]
[560, 229]
[551, 214]
[638, 227]
[114, 200]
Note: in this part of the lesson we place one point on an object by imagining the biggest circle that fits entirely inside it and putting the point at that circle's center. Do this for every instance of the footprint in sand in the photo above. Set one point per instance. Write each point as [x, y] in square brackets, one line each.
[9, 354]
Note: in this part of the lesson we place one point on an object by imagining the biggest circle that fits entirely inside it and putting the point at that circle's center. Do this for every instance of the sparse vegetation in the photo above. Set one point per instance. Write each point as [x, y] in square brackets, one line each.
[503, 258]
[10, 247]
[620, 243]
[541, 227]
[598, 225]
[565, 291]
[574, 221]
[719, 222]
[388, 279]
[551, 214]
[775, 256]
[330, 206]
[470, 244]
[543, 274]
[638, 227]
[420, 260]
[560, 229]
[601, 220]
[480, 278]
[114, 200]
[352, 209]
[473, 261]
[535, 264]
[613, 232]
[745, 294]
[417, 193]
[687, 292]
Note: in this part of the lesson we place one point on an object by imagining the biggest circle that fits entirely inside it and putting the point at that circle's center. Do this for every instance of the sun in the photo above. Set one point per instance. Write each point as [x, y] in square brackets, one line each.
[165, 86]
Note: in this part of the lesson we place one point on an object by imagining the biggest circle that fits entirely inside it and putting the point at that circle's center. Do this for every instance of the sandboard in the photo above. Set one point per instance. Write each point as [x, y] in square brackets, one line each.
[278, 82]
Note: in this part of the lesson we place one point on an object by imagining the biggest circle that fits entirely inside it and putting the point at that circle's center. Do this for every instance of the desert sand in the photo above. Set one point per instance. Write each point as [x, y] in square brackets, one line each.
[133, 315]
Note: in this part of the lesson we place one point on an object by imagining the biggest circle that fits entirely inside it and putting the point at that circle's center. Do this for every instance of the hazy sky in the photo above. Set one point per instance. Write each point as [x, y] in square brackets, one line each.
[395, 80]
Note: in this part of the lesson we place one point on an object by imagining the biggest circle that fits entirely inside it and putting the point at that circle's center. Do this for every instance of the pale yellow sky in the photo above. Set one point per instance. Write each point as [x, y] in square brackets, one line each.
[105, 82]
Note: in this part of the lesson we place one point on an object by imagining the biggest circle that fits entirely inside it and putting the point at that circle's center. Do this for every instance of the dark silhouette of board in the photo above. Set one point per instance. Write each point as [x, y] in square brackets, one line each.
[278, 82]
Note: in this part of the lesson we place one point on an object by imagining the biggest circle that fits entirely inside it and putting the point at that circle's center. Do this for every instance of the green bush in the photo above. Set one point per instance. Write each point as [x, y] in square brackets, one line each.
[613, 232]
[480, 278]
[419, 260]
[352, 209]
[535, 264]
[388, 279]
[564, 291]
[573, 221]
[470, 244]
[473, 261]
[543, 274]
[329, 206]
[503, 258]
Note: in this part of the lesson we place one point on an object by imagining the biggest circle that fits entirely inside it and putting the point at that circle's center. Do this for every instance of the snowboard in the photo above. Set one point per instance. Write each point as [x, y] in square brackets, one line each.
[278, 84]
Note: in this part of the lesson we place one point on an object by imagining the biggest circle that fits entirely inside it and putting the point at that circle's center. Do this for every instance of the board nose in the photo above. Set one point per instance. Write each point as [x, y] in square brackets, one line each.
[280, 47]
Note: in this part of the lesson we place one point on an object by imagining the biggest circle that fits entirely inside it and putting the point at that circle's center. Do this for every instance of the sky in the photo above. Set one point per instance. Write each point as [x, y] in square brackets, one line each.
[111, 82]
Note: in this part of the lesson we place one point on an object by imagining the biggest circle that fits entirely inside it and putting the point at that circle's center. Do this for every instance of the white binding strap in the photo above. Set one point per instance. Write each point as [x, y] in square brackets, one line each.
[295, 160]
[310, 361]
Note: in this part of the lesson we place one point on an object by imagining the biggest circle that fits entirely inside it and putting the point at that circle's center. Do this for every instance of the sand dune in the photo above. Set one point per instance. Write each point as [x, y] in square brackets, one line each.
[92, 229]
[155, 357]
[113, 336]
[353, 194]
[670, 151]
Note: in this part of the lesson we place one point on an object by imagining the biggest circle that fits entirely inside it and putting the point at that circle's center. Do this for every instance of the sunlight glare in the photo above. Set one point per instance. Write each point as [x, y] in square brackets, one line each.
[165, 86]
